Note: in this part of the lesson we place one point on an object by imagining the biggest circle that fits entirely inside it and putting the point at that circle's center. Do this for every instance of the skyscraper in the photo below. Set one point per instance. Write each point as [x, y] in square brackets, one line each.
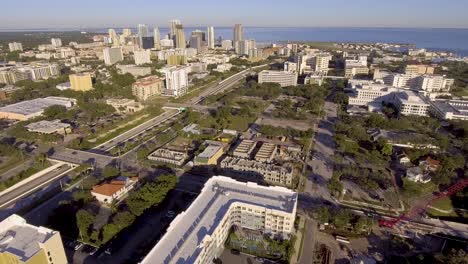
[157, 38]
[126, 32]
[211, 39]
[173, 29]
[180, 37]
[196, 42]
[238, 33]
[114, 37]
[142, 32]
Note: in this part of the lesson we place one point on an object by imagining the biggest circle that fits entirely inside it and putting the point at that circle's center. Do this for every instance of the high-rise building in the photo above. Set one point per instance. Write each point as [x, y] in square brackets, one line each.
[15, 46]
[21, 243]
[226, 44]
[196, 42]
[81, 82]
[238, 33]
[199, 33]
[115, 40]
[147, 42]
[112, 55]
[173, 28]
[56, 42]
[180, 37]
[243, 47]
[211, 38]
[176, 80]
[157, 38]
[147, 87]
[142, 33]
[142, 56]
[127, 32]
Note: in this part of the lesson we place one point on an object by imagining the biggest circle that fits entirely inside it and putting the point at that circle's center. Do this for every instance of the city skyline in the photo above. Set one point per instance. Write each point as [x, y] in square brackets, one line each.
[360, 13]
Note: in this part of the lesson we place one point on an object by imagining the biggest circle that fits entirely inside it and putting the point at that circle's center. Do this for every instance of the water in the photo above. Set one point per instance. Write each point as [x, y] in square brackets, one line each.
[453, 40]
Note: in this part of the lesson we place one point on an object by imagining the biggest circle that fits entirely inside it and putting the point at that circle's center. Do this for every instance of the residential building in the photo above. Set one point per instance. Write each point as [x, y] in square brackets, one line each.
[173, 28]
[283, 78]
[245, 149]
[12, 76]
[238, 33]
[226, 44]
[432, 83]
[196, 42]
[222, 204]
[449, 109]
[180, 37]
[134, 70]
[15, 46]
[112, 55]
[211, 154]
[211, 38]
[114, 190]
[126, 32]
[419, 69]
[171, 156]
[22, 243]
[81, 82]
[26, 110]
[56, 42]
[350, 72]
[176, 80]
[157, 38]
[125, 105]
[266, 153]
[49, 127]
[415, 174]
[148, 87]
[113, 37]
[40, 70]
[259, 171]
[243, 47]
[142, 57]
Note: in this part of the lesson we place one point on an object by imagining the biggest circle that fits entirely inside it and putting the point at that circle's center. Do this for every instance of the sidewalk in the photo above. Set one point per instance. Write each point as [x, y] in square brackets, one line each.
[298, 244]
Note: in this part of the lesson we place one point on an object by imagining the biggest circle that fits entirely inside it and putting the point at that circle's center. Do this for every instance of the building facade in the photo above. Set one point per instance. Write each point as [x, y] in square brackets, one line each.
[147, 87]
[283, 78]
[112, 55]
[81, 82]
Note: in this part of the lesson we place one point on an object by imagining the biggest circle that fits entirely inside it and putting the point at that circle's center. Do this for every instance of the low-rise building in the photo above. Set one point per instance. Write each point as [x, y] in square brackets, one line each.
[245, 149]
[350, 72]
[125, 105]
[22, 243]
[148, 87]
[283, 78]
[266, 153]
[81, 82]
[222, 204]
[15, 46]
[419, 69]
[7, 91]
[416, 174]
[449, 109]
[170, 156]
[254, 170]
[210, 154]
[49, 127]
[410, 103]
[63, 86]
[33, 108]
[114, 190]
[142, 57]
[134, 70]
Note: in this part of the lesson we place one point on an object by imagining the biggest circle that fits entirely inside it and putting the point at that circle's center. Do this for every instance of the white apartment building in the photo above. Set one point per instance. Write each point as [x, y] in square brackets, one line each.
[226, 44]
[56, 42]
[243, 47]
[210, 37]
[41, 71]
[197, 235]
[433, 83]
[350, 72]
[356, 61]
[112, 55]
[142, 57]
[290, 66]
[176, 80]
[15, 46]
[283, 78]
[410, 103]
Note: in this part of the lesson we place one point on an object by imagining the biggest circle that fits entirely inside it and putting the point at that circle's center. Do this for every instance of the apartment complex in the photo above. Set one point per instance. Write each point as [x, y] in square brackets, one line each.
[12, 76]
[283, 78]
[176, 80]
[147, 87]
[198, 234]
[429, 83]
[307, 62]
[255, 170]
[15, 46]
[21, 243]
[81, 82]
[419, 69]
[112, 55]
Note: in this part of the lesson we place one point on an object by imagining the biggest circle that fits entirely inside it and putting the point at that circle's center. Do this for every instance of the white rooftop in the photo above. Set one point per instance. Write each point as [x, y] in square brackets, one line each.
[182, 241]
[37, 105]
[22, 239]
[209, 151]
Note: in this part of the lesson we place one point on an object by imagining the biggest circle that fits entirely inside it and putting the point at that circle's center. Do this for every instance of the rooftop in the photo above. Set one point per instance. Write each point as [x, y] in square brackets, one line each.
[209, 151]
[36, 105]
[47, 127]
[113, 186]
[183, 240]
[22, 239]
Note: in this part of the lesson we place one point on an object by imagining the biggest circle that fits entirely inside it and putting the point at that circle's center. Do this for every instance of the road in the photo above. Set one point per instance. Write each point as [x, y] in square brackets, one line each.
[80, 157]
[8, 199]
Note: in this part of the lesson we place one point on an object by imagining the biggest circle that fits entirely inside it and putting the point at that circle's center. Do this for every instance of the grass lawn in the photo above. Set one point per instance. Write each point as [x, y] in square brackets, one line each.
[11, 162]
[443, 204]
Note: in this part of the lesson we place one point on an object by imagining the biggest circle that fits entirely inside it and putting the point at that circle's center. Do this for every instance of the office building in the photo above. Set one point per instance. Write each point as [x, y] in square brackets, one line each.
[176, 80]
[222, 204]
[112, 55]
[26, 110]
[196, 42]
[419, 69]
[180, 37]
[142, 57]
[350, 72]
[56, 42]
[238, 33]
[290, 66]
[173, 28]
[157, 38]
[243, 47]
[81, 82]
[211, 154]
[15, 46]
[113, 37]
[40, 70]
[432, 83]
[445, 109]
[211, 37]
[200, 34]
[21, 243]
[226, 44]
[167, 43]
[283, 78]
[410, 103]
[143, 32]
[147, 87]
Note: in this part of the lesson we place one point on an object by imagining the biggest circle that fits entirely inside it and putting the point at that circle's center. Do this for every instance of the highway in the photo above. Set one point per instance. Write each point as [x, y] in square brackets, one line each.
[9, 198]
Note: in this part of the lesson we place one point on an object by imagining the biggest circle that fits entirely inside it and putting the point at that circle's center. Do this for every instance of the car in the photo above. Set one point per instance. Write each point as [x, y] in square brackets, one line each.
[108, 251]
[235, 252]
[78, 245]
[93, 251]
[74, 152]
[170, 214]
[259, 260]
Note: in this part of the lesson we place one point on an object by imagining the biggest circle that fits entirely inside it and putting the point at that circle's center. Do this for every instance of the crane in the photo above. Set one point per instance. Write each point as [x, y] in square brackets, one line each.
[420, 209]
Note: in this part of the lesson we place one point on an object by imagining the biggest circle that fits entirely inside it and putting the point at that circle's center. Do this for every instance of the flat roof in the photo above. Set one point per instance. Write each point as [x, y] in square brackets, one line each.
[209, 151]
[45, 126]
[183, 240]
[22, 239]
[36, 105]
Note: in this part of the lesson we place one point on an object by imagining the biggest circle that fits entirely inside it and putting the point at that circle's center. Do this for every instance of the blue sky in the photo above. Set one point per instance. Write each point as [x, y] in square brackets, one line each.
[18, 14]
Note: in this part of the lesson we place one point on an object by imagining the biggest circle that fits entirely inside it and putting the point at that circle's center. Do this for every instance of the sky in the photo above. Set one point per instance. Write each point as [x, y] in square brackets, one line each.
[32, 14]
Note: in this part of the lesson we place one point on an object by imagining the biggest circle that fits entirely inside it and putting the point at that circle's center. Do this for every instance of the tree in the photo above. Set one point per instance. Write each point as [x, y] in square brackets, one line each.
[342, 218]
[110, 171]
[54, 111]
[322, 214]
[109, 231]
[84, 219]
[387, 150]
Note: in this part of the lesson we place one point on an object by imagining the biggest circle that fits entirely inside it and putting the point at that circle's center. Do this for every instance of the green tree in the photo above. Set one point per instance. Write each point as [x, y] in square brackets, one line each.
[342, 219]
[109, 231]
[110, 171]
[84, 220]
[322, 214]
[54, 111]
[387, 150]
